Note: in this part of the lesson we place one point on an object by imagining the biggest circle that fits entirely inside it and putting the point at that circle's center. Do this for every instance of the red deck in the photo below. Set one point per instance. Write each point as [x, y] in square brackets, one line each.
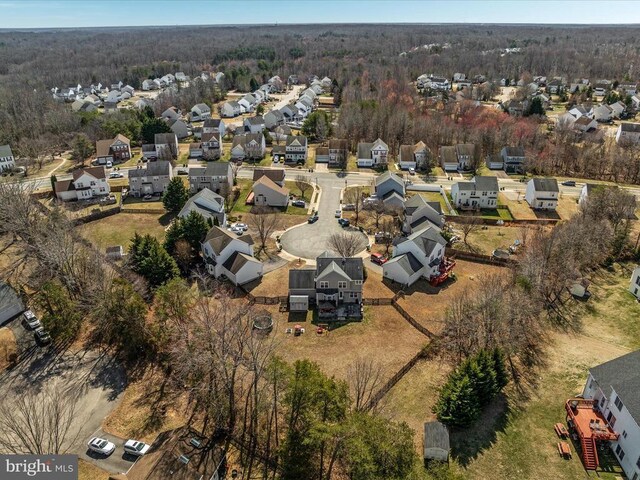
[590, 426]
[444, 269]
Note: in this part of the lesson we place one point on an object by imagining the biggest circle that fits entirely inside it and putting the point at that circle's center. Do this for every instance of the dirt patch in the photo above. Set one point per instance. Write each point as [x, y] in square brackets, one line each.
[88, 471]
[8, 348]
[275, 283]
[375, 287]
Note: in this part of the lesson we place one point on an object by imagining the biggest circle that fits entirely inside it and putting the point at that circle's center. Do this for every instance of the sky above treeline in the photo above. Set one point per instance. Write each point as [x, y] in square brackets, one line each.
[107, 13]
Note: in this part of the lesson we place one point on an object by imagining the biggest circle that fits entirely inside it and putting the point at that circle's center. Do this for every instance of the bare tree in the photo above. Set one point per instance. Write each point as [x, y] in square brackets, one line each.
[389, 232]
[235, 168]
[364, 377]
[378, 210]
[302, 182]
[473, 225]
[265, 221]
[345, 244]
[353, 196]
[38, 423]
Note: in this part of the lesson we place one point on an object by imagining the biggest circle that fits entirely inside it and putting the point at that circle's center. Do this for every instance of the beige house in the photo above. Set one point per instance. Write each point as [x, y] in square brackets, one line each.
[267, 193]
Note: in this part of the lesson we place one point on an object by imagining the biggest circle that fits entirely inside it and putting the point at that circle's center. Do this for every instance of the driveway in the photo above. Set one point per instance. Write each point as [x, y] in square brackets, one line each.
[310, 240]
[95, 379]
[117, 462]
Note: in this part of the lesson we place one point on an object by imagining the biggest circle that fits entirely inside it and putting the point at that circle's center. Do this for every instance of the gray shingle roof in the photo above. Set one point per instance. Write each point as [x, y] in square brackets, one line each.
[255, 120]
[545, 185]
[302, 279]
[621, 374]
[236, 261]
[514, 151]
[353, 266]
[486, 183]
[157, 168]
[364, 150]
[213, 169]
[408, 262]
[10, 303]
[630, 127]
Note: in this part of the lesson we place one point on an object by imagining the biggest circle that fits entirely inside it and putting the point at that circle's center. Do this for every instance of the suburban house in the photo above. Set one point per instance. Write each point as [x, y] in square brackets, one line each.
[334, 286]
[480, 193]
[86, 183]
[436, 442]
[419, 213]
[617, 109]
[542, 193]
[200, 112]
[419, 255]
[171, 113]
[115, 150]
[10, 304]
[229, 255]
[7, 161]
[166, 146]
[390, 188]
[195, 150]
[214, 125]
[267, 193]
[152, 179]
[413, 156]
[611, 396]
[248, 146]
[555, 86]
[513, 159]
[304, 105]
[628, 133]
[372, 154]
[581, 111]
[337, 153]
[565, 120]
[179, 127]
[273, 119]
[276, 175]
[211, 145]
[254, 124]
[208, 204]
[448, 159]
[465, 153]
[230, 109]
[585, 124]
[296, 149]
[216, 176]
[247, 103]
[602, 113]
[494, 162]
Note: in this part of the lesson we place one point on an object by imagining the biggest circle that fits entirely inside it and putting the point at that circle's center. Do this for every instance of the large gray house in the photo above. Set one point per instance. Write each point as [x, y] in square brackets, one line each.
[151, 179]
[216, 176]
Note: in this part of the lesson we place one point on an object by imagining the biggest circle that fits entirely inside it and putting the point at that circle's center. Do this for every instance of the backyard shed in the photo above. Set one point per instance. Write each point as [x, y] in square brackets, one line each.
[436, 442]
[298, 303]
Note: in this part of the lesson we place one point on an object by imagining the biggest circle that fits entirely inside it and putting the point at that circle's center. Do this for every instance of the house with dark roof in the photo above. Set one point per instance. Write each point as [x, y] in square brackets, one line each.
[151, 179]
[214, 125]
[254, 124]
[277, 175]
[337, 153]
[614, 387]
[465, 153]
[230, 109]
[628, 133]
[10, 304]
[542, 193]
[273, 119]
[7, 161]
[419, 213]
[513, 159]
[199, 112]
[479, 193]
[211, 144]
[179, 127]
[113, 150]
[216, 176]
[229, 255]
[166, 145]
[208, 204]
[448, 159]
[372, 154]
[419, 255]
[267, 193]
[295, 149]
[390, 189]
[248, 146]
[334, 287]
[413, 156]
[85, 183]
[436, 442]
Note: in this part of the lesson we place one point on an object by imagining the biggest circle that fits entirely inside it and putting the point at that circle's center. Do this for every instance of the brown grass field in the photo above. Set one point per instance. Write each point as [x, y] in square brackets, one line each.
[118, 229]
[8, 347]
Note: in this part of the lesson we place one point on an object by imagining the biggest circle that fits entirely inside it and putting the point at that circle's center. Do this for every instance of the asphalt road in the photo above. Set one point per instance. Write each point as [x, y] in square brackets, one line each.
[310, 240]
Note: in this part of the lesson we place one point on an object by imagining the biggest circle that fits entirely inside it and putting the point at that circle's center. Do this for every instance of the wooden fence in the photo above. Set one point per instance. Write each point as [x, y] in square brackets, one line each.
[414, 323]
[479, 258]
[96, 216]
[377, 301]
[493, 221]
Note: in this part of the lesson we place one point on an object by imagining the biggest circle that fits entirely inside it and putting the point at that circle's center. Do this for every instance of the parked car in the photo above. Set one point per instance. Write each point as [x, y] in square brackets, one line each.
[569, 183]
[30, 320]
[147, 198]
[412, 171]
[243, 226]
[116, 175]
[109, 164]
[100, 445]
[349, 207]
[313, 219]
[344, 222]
[134, 447]
[183, 171]
[237, 230]
[42, 336]
[298, 203]
[338, 213]
[378, 258]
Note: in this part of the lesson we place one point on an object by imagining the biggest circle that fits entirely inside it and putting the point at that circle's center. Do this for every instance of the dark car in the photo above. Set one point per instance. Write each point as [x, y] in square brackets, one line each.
[313, 219]
[344, 222]
[298, 203]
[42, 336]
[569, 183]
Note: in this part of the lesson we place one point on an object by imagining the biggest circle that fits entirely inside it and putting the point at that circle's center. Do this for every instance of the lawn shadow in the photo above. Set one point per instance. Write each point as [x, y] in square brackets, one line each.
[546, 215]
[469, 443]
[166, 219]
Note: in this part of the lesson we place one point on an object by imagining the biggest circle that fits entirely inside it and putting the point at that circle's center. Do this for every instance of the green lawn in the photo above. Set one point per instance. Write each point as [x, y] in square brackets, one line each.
[245, 185]
[434, 197]
[132, 202]
[118, 229]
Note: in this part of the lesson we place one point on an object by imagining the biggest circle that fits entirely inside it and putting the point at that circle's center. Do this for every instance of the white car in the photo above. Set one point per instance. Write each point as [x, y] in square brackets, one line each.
[109, 164]
[237, 230]
[338, 213]
[116, 175]
[243, 226]
[136, 448]
[31, 320]
[100, 445]
[412, 171]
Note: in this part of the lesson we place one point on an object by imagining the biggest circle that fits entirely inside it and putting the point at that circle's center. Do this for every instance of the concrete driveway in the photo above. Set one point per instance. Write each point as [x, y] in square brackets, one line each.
[310, 240]
[94, 378]
[117, 462]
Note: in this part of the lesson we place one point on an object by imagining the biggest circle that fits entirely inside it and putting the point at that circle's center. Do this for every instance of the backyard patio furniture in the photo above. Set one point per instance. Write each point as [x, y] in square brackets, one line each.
[561, 430]
[564, 450]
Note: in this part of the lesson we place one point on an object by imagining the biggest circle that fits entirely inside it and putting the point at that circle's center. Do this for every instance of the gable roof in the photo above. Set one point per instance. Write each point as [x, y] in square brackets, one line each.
[364, 149]
[514, 151]
[218, 238]
[270, 184]
[258, 120]
[237, 260]
[160, 138]
[274, 174]
[212, 123]
[103, 148]
[465, 149]
[213, 169]
[388, 176]
[353, 267]
[302, 279]
[425, 239]
[486, 183]
[157, 168]
[448, 154]
[97, 172]
[379, 143]
[338, 144]
[208, 136]
[621, 374]
[203, 107]
[64, 186]
[201, 202]
[630, 127]
[408, 262]
[545, 185]
[296, 141]
[406, 153]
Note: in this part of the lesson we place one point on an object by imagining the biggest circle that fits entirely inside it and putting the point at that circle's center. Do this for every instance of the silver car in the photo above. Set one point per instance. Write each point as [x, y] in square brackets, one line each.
[31, 320]
[101, 446]
[134, 447]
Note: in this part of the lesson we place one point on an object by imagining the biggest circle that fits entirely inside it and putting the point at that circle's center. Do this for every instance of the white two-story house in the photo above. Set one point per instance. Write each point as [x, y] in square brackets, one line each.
[85, 184]
[7, 162]
[615, 388]
[390, 189]
[373, 154]
[479, 193]
[226, 254]
[417, 256]
[542, 193]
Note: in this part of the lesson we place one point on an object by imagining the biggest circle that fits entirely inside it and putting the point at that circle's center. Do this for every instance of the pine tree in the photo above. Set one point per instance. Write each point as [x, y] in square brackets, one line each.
[194, 229]
[174, 233]
[502, 377]
[175, 196]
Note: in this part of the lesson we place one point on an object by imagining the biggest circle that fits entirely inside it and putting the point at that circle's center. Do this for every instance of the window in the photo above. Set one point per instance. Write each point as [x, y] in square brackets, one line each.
[324, 284]
[342, 284]
[618, 403]
[590, 384]
[358, 282]
[638, 280]
[619, 452]
[611, 419]
[353, 295]
[624, 434]
[602, 402]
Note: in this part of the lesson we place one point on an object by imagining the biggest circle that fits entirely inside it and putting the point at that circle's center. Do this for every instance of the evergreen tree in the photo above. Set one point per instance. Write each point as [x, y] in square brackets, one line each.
[175, 196]
[194, 228]
[150, 127]
[317, 126]
[253, 84]
[53, 182]
[150, 259]
[536, 107]
[457, 404]
[173, 234]
[502, 377]
[82, 148]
